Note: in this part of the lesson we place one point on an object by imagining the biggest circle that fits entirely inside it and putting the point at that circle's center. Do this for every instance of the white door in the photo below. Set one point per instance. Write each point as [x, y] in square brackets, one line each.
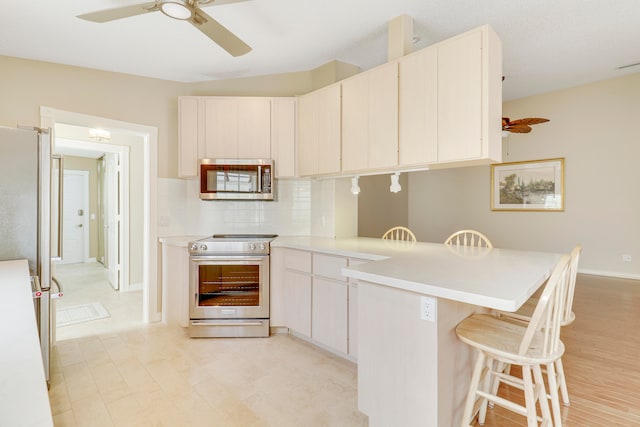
[74, 215]
[112, 220]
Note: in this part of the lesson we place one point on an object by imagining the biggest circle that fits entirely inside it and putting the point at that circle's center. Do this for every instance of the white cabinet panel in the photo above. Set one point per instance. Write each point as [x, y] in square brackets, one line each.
[329, 313]
[283, 136]
[418, 108]
[188, 128]
[319, 132]
[254, 128]
[370, 119]
[460, 98]
[175, 284]
[298, 301]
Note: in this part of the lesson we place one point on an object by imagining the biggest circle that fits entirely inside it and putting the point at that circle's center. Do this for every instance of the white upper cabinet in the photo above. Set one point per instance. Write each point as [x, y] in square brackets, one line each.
[283, 136]
[188, 128]
[370, 119]
[418, 108]
[318, 140]
[451, 102]
[237, 127]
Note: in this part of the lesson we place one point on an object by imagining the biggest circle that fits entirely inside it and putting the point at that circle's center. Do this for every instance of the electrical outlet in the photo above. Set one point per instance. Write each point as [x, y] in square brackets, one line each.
[626, 258]
[428, 309]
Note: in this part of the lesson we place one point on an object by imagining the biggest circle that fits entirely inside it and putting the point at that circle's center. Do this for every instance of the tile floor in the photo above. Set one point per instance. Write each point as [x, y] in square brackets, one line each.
[119, 371]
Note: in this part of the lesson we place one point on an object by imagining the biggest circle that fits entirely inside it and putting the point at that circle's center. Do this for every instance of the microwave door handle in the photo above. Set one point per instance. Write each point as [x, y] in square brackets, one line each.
[259, 179]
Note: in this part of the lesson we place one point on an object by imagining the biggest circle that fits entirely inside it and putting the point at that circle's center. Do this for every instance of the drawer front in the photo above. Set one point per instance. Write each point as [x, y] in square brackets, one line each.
[329, 266]
[297, 260]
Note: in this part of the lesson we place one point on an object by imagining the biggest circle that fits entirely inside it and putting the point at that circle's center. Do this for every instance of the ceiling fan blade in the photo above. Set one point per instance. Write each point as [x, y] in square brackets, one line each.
[219, 34]
[518, 128]
[528, 121]
[120, 12]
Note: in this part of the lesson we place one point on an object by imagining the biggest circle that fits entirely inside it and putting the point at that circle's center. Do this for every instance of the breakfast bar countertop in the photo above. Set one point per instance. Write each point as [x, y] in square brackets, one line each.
[501, 279]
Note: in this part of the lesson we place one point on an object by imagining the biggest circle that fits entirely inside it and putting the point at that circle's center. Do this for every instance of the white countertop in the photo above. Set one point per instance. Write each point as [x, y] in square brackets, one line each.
[24, 400]
[501, 279]
[179, 241]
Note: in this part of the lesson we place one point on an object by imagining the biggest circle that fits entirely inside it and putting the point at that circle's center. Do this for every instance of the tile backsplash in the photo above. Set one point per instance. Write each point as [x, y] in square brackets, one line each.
[181, 212]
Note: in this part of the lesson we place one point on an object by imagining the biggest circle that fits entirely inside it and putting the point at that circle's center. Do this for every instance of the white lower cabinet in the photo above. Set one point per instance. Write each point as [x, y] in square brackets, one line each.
[175, 284]
[297, 287]
[329, 310]
[311, 297]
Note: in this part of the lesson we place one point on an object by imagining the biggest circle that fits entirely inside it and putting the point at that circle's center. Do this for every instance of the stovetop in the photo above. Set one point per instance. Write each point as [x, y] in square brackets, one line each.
[222, 244]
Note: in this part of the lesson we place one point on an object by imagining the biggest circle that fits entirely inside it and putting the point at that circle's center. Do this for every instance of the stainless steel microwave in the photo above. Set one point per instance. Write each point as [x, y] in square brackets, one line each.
[236, 179]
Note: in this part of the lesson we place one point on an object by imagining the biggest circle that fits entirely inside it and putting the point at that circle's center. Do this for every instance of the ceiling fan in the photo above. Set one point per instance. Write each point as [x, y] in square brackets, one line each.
[185, 10]
[520, 125]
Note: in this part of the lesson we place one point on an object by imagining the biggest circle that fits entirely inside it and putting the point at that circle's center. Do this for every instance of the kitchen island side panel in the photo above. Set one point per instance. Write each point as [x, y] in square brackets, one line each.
[411, 372]
[397, 358]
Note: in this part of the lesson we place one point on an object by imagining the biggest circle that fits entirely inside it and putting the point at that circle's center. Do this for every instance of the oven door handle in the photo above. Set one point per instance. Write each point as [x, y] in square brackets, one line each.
[243, 258]
[214, 323]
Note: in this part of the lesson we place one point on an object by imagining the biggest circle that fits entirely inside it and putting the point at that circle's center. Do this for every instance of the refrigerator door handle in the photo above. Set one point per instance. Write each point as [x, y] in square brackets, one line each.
[60, 168]
[60, 292]
[35, 287]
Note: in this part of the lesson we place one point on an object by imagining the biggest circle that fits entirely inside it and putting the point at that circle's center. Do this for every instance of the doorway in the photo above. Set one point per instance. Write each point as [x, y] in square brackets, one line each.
[146, 138]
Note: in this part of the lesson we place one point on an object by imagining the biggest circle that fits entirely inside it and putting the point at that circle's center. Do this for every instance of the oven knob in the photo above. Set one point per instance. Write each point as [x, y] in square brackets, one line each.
[252, 246]
[262, 246]
[203, 247]
[194, 247]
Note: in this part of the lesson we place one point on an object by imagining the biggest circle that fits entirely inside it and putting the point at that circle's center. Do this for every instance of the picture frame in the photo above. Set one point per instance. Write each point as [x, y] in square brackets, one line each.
[535, 185]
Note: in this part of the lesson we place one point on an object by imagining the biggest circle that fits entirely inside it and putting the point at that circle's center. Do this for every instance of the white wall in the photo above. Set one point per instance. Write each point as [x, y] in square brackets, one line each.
[594, 128]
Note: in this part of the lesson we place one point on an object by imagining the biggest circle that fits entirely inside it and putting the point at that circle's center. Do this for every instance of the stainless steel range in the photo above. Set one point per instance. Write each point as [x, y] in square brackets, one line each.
[229, 284]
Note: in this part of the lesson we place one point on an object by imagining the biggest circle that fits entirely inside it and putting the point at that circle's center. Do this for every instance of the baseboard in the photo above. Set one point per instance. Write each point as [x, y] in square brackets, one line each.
[135, 287]
[610, 274]
[92, 259]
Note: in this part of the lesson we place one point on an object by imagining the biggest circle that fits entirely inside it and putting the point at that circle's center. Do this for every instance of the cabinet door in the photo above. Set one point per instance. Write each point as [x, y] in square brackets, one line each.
[254, 128]
[370, 119]
[283, 136]
[221, 128]
[355, 123]
[298, 296]
[460, 98]
[307, 141]
[188, 136]
[383, 116]
[418, 108]
[329, 311]
[328, 156]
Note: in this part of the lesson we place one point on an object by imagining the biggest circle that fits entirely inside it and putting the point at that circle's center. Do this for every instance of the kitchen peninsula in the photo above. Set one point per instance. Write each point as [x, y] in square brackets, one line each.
[411, 370]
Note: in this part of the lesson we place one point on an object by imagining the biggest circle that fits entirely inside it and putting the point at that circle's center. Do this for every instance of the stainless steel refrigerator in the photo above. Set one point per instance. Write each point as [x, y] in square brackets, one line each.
[26, 166]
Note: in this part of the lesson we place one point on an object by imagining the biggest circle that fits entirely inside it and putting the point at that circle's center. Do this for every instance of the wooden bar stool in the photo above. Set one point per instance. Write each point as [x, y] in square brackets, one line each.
[468, 238]
[524, 315]
[531, 346]
[399, 233]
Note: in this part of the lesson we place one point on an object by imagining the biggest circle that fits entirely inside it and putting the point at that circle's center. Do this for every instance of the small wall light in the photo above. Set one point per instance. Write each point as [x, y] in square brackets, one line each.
[395, 183]
[355, 189]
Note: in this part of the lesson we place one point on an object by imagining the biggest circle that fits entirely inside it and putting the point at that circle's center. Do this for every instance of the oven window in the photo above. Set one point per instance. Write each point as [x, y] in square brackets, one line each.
[228, 285]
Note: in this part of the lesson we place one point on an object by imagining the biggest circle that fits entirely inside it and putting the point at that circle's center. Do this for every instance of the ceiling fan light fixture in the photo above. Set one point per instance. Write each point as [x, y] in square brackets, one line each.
[176, 10]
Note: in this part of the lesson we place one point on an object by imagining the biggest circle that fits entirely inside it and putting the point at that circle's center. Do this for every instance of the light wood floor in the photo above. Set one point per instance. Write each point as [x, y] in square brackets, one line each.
[602, 359]
[121, 372]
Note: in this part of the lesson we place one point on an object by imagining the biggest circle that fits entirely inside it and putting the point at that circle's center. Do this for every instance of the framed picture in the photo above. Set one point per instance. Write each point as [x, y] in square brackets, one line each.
[536, 185]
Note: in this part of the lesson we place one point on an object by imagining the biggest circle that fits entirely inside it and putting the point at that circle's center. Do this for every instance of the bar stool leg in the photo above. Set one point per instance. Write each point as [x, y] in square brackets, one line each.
[562, 382]
[467, 415]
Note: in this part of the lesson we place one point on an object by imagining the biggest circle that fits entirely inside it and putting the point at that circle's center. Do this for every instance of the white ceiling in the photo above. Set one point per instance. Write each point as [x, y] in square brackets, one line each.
[547, 44]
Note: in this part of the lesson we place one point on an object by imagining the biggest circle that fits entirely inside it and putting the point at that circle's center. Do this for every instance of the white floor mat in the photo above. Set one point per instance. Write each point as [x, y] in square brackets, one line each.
[80, 313]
